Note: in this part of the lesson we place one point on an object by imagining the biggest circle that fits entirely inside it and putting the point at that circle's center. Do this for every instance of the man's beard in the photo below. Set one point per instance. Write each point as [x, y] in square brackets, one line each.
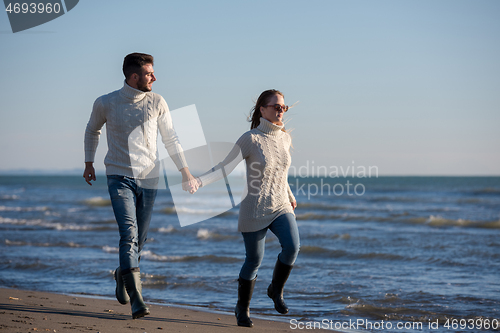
[143, 86]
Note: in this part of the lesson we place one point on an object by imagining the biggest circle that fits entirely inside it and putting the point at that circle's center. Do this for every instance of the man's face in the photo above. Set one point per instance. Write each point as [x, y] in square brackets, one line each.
[146, 78]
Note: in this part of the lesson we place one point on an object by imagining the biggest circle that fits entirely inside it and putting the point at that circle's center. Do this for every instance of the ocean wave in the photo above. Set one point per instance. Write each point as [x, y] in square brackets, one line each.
[97, 202]
[432, 220]
[394, 199]
[349, 217]
[193, 211]
[487, 191]
[168, 210]
[23, 209]
[9, 197]
[27, 266]
[321, 251]
[110, 249]
[439, 221]
[327, 236]
[205, 234]
[316, 216]
[321, 206]
[60, 244]
[349, 299]
[389, 313]
[52, 225]
[324, 252]
[7, 220]
[445, 262]
[409, 311]
[166, 230]
[160, 282]
[470, 201]
[149, 255]
[153, 280]
[381, 256]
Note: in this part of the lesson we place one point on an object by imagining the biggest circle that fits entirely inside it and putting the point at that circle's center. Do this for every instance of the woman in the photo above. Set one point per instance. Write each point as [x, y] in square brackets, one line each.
[269, 204]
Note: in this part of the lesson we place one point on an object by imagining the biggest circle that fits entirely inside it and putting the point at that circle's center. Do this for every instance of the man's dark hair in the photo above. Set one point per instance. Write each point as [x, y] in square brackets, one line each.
[133, 63]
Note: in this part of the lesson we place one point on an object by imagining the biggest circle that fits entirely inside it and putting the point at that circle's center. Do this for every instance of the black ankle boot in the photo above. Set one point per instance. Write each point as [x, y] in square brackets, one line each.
[242, 310]
[132, 281]
[275, 289]
[120, 292]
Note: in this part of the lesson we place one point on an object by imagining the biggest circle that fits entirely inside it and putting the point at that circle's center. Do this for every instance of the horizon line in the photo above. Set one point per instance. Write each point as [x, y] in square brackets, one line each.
[78, 172]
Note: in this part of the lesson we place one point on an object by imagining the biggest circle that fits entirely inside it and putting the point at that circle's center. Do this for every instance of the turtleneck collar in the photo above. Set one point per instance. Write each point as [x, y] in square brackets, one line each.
[131, 94]
[268, 127]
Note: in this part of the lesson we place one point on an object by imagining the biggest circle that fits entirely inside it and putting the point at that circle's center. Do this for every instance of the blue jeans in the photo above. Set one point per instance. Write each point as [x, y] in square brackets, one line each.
[285, 228]
[133, 206]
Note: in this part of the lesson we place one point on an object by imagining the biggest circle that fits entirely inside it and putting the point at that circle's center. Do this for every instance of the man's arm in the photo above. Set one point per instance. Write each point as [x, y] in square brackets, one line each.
[174, 148]
[92, 133]
[169, 137]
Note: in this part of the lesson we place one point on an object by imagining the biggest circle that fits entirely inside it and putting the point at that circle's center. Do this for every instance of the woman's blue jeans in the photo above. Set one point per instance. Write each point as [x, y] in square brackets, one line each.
[133, 206]
[285, 228]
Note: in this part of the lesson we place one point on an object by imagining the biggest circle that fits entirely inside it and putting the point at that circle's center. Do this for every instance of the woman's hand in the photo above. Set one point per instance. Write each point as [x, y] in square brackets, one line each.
[294, 204]
[189, 183]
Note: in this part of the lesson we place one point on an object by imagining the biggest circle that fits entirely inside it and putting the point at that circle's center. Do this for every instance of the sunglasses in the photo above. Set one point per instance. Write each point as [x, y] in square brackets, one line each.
[279, 107]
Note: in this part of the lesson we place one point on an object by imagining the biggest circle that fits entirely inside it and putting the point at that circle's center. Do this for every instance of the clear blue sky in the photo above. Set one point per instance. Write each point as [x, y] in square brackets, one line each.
[412, 87]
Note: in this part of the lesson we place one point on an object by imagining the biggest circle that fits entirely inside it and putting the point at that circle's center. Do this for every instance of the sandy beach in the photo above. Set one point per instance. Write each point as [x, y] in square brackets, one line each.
[33, 311]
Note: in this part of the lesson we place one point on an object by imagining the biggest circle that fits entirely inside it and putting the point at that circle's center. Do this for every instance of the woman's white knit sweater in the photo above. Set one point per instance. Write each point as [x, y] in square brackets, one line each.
[266, 150]
[132, 119]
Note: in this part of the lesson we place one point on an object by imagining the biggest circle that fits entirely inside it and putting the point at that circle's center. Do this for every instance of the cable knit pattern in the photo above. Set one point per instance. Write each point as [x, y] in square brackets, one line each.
[266, 150]
[132, 119]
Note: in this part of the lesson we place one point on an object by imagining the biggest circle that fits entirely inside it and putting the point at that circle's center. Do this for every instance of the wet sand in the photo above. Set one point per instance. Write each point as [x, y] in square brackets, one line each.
[33, 311]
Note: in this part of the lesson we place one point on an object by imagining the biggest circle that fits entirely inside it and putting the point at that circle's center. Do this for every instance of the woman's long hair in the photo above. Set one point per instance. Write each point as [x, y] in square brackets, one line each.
[263, 99]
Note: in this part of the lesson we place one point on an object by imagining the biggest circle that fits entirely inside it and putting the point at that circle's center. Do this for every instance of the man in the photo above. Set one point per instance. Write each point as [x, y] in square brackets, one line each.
[133, 115]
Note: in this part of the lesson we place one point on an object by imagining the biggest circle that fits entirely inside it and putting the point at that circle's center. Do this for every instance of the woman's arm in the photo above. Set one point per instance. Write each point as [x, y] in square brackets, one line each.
[293, 202]
[238, 153]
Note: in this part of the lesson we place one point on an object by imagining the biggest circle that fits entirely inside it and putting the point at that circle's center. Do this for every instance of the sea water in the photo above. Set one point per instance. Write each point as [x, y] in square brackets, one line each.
[390, 254]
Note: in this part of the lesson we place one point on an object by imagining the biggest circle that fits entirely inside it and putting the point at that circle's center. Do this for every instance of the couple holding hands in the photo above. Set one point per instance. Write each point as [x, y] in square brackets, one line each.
[269, 204]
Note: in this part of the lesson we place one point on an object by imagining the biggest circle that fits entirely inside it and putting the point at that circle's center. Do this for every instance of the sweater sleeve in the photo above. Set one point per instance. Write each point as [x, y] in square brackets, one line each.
[93, 130]
[290, 194]
[169, 137]
[240, 151]
[291, 197]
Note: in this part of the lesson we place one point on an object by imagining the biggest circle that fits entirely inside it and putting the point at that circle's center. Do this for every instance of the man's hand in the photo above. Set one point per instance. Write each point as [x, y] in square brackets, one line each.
[294, 204]
[189, 183]
[89, 173]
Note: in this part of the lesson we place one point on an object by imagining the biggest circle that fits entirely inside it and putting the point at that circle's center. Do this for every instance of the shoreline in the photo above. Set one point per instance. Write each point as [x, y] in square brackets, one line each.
[37, 311]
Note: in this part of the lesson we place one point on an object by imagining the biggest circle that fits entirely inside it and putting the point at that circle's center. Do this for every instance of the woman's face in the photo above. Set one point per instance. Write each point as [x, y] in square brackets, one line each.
[269, 111]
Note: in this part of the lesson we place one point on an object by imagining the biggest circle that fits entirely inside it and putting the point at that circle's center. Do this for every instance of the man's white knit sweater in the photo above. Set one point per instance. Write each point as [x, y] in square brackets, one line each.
[266, 150]
[132, 119]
